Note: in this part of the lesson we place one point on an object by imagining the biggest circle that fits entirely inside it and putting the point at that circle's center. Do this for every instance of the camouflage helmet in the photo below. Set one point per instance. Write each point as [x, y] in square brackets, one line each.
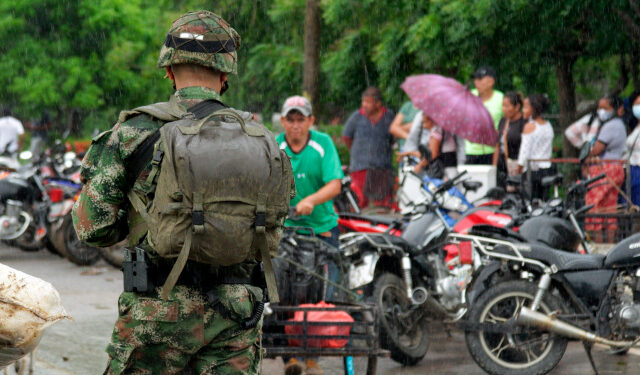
[202, 38]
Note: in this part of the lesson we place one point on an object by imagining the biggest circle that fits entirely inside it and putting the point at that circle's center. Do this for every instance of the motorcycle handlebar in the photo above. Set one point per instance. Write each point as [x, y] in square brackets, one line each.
[586, 183]
[584, 209]
[594, 179]
[449, 184]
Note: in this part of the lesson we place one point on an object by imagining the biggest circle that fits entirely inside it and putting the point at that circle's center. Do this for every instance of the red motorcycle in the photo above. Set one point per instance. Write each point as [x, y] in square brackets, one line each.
[510, 218]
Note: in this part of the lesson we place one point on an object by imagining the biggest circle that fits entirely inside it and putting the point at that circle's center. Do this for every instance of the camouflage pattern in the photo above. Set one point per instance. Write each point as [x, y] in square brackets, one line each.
[195, 30]
[100, 215]
[152, 335]
[184, 334]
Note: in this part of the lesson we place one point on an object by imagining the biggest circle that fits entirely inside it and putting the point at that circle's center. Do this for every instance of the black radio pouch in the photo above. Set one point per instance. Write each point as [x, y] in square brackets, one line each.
[135, 271]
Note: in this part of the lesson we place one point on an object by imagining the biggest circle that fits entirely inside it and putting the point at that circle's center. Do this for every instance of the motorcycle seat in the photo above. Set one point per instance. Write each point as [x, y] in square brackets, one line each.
[402, 243]
[471, 185]
[552, 180]
[563, 260]
[373, 219]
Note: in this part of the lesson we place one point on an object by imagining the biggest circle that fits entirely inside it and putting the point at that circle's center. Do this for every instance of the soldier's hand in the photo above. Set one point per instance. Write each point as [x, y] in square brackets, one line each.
[304, 207]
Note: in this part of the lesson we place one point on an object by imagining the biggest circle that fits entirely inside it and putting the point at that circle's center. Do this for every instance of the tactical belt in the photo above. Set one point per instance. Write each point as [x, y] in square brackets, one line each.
[196, 275]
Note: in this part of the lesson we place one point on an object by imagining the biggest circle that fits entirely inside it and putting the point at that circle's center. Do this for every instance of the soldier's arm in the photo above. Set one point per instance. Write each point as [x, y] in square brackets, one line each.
[98, 215]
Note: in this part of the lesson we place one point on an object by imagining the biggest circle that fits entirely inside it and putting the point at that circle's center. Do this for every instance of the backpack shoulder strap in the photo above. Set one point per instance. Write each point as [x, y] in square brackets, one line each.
[164, 111]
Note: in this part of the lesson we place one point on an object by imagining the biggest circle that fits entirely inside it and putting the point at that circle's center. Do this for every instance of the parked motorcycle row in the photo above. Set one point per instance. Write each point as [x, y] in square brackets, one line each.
[516, 276]
[36, 198]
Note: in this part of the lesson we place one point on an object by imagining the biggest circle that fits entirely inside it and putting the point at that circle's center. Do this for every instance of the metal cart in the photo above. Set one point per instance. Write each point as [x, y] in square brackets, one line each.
[363, 339]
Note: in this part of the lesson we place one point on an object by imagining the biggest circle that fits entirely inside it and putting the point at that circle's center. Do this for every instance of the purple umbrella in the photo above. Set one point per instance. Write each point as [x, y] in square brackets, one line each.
[452, 107]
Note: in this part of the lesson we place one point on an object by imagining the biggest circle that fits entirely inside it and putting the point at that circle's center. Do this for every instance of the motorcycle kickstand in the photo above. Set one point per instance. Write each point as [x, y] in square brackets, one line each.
[588, 346]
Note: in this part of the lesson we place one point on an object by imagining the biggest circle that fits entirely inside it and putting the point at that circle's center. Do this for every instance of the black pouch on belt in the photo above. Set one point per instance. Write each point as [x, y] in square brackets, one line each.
[135, 271]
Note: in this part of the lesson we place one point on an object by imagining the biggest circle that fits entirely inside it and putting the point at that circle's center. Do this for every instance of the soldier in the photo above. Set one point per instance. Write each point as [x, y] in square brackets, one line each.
[208, 322]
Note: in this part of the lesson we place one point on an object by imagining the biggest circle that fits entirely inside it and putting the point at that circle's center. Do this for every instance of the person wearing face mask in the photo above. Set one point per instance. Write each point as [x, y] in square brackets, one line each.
[633, 150]
[608, 145]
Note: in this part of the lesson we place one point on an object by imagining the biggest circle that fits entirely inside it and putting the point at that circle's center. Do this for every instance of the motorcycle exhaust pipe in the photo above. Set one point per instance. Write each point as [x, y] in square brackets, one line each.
[544, 322]
[420, 296]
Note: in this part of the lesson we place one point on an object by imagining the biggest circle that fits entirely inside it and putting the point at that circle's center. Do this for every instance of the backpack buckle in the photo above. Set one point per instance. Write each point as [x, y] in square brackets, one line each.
[157, 157]
[197, 221]
[261, 222]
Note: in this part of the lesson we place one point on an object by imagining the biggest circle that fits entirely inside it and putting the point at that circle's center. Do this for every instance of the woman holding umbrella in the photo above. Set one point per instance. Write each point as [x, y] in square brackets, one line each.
[452, 107]
[443, 149]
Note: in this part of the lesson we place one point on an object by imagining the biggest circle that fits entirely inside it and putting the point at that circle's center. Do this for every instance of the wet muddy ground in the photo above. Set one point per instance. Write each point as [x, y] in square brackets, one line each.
[90, 295]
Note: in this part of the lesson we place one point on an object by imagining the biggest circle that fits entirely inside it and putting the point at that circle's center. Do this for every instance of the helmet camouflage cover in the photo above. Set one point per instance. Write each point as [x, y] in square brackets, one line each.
[202, 38]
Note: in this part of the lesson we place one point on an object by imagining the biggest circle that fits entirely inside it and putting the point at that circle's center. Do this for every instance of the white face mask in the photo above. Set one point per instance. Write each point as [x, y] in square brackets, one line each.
[604, 115]
[636, 111]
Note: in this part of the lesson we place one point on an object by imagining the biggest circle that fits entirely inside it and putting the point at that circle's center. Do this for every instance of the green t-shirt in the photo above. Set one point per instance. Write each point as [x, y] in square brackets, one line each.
[494, 106]
[408, 112]
[313, 167]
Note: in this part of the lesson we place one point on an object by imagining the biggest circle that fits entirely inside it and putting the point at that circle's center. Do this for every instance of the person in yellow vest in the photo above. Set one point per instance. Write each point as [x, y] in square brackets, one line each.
[484, 79]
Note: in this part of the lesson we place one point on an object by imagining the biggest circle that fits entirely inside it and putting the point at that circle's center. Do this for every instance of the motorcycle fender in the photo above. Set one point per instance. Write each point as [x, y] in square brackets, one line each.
[362, 273]
[480, 281]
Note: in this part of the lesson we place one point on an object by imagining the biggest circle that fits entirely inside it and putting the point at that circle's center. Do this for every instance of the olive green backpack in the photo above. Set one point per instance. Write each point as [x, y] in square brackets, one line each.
[222, 190]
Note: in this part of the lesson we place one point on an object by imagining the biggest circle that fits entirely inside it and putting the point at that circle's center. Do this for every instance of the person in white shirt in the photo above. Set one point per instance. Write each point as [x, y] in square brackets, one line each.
[537, 143]
[583, 130]
[633, 150]
[11, 133]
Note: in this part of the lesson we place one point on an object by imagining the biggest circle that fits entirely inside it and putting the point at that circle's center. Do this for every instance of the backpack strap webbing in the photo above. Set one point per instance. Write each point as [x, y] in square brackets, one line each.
[261, 243]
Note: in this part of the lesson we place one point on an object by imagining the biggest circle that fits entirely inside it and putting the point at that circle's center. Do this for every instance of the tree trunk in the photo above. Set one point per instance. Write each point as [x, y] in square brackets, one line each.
[567, 100]
[311, 52]
[634, 62]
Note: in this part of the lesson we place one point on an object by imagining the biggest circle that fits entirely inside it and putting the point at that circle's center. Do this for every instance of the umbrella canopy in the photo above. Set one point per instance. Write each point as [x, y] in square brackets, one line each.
[452, 107]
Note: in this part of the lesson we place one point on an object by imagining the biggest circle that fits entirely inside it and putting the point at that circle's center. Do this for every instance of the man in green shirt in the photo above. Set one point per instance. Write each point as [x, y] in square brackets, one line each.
[316, 169]
[484, 79]
[317, 173]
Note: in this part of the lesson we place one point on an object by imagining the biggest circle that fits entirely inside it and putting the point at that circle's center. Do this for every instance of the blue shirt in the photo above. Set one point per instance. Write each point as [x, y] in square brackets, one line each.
[371, 147]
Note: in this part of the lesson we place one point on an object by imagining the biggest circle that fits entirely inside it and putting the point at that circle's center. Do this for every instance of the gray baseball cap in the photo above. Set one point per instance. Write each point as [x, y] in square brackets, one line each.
[298, 103]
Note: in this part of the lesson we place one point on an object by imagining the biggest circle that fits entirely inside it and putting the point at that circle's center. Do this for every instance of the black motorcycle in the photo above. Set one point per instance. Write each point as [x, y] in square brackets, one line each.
[528, 300]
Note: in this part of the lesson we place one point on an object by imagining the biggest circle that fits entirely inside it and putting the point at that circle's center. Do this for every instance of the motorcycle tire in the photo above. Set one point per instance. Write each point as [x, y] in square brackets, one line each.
[50, 246]
[530, 353]
[27, 241]
[72, 248]
[408, 344]
[114, 255]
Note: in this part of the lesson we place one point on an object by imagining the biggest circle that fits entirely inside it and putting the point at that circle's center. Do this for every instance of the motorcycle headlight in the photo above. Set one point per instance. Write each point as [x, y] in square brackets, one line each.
[555, 202]
[537, 212]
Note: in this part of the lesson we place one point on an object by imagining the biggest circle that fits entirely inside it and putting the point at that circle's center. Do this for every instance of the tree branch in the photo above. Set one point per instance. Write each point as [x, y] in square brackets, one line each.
[635, 6]
[632, 27]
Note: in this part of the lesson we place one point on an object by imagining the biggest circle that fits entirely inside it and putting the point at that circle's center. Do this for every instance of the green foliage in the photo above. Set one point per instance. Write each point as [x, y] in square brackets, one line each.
[88, 59]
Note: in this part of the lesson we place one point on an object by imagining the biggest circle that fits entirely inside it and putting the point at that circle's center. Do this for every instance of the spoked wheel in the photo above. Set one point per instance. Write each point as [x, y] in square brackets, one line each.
[71, 247]
[402, 331]
[529, 352]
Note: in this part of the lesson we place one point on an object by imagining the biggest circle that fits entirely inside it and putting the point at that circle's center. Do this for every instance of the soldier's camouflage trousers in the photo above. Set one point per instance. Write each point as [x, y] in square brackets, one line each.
[184, 334]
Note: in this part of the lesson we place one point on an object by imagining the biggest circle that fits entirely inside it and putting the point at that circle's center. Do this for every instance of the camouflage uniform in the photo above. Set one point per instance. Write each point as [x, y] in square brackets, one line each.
[185, 333]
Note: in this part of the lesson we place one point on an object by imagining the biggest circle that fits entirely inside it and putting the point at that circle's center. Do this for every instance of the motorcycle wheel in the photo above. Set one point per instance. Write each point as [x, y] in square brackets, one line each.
[27, 241]
[114, 255]
[72, 248]
[50, 246]
[407, 340]
[533, 352]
